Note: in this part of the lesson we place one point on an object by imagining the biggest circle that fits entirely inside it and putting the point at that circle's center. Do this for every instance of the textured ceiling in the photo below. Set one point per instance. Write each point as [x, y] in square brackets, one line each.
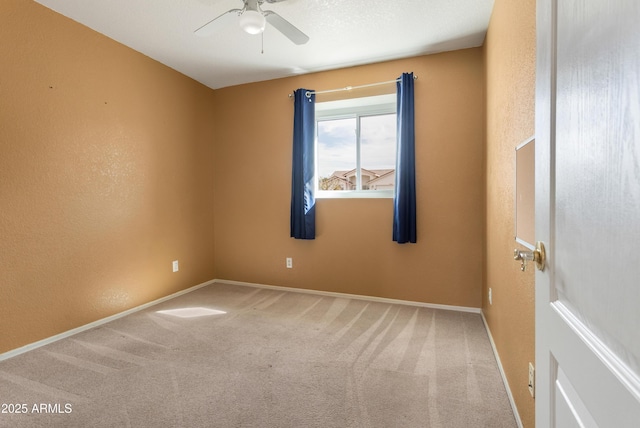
[342, 33]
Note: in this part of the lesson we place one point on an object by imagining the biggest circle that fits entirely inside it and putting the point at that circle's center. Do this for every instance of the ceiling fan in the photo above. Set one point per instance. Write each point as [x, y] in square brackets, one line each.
[253, 20]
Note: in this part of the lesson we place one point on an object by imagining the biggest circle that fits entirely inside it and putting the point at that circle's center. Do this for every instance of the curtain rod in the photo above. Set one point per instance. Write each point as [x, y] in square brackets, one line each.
[348, 88]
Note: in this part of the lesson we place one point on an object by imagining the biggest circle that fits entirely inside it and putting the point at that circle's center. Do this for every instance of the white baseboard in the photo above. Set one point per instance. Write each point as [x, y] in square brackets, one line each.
[353, 296]
[48, 340]
[502, 373]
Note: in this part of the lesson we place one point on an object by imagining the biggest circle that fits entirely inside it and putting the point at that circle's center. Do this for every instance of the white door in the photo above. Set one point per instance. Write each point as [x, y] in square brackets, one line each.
[588, 213]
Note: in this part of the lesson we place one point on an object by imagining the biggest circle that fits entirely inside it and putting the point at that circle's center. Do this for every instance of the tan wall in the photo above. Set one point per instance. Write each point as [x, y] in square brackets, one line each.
[510, 84]
[353, 251]
[106, 173]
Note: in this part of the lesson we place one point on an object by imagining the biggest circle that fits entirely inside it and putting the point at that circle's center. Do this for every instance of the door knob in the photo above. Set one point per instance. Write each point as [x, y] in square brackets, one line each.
[538, 256]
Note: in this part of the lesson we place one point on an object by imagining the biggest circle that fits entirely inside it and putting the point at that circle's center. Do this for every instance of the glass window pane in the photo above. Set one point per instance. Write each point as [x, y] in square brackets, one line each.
[337, 154]
[378, 151]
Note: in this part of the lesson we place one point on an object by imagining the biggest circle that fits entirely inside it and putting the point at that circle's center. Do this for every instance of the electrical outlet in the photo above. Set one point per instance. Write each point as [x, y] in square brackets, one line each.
[175, 266]
[289, 263]
[490, 297]
[532, 379]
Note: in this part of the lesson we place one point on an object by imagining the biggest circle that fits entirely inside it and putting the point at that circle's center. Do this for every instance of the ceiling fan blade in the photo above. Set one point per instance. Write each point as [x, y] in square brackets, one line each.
[210, 27]
[286, 28]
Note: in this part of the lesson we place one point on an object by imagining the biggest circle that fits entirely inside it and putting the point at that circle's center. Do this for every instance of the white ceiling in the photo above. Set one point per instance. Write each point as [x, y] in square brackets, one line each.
[342, 33]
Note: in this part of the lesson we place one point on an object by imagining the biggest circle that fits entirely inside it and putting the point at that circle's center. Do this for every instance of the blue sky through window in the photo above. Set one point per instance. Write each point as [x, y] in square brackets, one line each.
[336, 146]
[378, 141]
[337, 143]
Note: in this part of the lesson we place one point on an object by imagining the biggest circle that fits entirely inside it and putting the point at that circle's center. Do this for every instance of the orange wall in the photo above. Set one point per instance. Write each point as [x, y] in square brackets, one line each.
[353, 251]
[509, 52]
[106, 176]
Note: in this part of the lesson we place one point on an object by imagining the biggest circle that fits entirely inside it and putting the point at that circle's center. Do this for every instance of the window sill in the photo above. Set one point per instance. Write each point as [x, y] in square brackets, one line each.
[354, 194]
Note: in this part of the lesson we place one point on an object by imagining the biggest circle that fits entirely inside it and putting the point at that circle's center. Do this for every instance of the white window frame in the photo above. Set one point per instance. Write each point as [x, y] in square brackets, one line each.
[353, 108]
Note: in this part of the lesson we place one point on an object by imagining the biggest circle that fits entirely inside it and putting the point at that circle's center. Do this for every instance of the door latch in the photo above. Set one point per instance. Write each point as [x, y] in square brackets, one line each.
[537, 255]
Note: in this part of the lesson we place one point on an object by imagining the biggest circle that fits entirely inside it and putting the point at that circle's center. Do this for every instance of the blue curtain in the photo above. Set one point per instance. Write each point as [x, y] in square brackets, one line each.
[303, 203]
[404, 204]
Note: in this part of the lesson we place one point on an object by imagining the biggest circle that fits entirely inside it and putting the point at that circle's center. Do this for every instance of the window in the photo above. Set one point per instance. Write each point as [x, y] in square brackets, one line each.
[356, 147]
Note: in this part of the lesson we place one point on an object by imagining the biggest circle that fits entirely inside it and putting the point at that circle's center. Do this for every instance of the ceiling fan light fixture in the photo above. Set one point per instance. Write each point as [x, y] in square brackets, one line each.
[252, 22]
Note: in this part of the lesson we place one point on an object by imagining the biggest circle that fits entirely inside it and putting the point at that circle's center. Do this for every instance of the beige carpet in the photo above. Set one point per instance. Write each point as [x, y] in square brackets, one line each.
[274, 359]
